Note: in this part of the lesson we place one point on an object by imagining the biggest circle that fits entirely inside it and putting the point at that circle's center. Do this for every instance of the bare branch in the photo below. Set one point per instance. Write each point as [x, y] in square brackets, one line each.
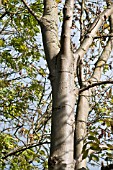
[101, 62]
[3, 15]
[88, 39]
[103, 36]
[21, 149]
[31, 11]
[104, 56]
[49, 28]
[66, 27]
[82, 30]
[95, 84]
[80, 73]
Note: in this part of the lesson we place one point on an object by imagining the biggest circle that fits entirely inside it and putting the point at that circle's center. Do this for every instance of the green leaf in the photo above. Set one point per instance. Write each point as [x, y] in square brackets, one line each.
[1, 42]
[85, 154]
[93, 157]
[94, 139]
[94, 146]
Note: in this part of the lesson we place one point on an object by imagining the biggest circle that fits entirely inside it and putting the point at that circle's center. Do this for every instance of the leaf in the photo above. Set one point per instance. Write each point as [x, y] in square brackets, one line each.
[85, 154]
[84, 147]
[42, 152]
[4, 1]
[1, 42]
[106, 26]
[110, 146]
[94, 146]
[93, 138]
[93, 157]
[58, 1]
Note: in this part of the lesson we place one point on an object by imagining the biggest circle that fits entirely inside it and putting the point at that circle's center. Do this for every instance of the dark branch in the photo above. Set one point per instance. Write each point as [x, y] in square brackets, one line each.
[95, 84]
[21, 149]
[103, 36]
[3, 15]
[31, 11]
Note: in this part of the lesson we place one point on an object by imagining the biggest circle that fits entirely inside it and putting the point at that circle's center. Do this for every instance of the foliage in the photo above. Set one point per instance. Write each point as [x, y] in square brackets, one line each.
[24, 90]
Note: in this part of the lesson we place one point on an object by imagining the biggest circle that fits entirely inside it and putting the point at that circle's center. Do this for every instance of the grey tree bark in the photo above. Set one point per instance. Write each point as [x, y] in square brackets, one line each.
[61, 65]
[66, 148]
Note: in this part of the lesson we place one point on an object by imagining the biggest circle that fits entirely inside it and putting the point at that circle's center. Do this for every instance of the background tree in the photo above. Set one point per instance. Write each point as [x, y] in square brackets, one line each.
[79, 64]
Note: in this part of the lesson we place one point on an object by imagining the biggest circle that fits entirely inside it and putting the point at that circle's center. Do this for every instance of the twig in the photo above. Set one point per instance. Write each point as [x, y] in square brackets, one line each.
[103, 36]
[21, 149]
[95, 84]
[31, 11]
[3, 15]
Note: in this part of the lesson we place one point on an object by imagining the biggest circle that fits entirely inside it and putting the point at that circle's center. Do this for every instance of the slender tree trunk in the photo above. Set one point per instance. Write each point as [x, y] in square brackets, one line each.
[80, 128]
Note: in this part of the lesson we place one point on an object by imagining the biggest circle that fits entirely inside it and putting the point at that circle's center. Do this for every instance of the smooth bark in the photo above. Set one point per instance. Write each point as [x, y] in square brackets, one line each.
[63, 66]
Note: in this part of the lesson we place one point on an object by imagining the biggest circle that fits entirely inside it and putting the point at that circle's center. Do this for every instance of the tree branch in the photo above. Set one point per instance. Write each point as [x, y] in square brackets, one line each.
[21, 149]
[95, 84]
[31, 11]
[88, 39]
[82, 30]
[49, 28]
[101, 62]
[66, 27]
[104, 56]
[103, 36]
[3, 14]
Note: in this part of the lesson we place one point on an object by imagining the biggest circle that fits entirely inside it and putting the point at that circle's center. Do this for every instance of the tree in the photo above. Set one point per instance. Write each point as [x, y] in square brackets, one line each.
[80, 73]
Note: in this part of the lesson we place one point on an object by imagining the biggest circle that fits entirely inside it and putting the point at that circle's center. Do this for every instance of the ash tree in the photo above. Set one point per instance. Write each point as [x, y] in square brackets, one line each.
[74, 118]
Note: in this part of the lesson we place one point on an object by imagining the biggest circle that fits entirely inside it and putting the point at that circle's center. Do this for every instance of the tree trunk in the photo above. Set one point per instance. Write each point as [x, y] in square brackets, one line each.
[62, 136]
[62, 66]
[80, 128]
